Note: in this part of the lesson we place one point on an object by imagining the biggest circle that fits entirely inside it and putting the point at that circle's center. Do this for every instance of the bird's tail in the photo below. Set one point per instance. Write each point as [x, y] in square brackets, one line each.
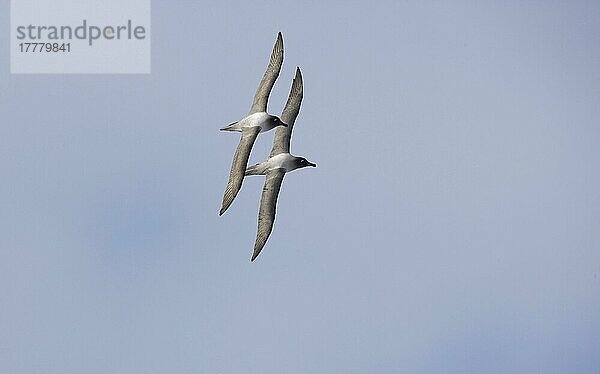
[230, 127]
[257, 169]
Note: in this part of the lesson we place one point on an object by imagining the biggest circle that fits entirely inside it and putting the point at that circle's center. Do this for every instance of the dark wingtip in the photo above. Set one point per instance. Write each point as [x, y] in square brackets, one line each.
[222, 211]
[298, 84]
[254, 255]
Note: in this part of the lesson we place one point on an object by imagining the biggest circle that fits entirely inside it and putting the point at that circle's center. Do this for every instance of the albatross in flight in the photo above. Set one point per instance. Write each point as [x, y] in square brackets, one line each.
[257, 121]
[280, 162]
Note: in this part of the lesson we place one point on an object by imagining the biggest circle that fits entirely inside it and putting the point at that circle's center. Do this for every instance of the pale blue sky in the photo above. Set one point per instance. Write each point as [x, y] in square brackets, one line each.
[452, 226]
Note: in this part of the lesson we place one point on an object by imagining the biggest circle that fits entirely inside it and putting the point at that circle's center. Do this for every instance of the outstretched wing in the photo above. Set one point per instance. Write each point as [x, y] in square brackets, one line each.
[261, 97]
[283, 135]
[268, 204]
[238, 167]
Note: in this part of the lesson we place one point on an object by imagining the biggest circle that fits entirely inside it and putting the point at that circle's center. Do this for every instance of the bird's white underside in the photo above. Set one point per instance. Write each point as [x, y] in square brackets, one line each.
[280, 161]
[255, 119]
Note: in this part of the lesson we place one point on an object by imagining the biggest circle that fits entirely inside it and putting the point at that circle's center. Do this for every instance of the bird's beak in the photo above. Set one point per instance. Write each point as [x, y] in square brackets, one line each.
[311, 164]
[284, 124]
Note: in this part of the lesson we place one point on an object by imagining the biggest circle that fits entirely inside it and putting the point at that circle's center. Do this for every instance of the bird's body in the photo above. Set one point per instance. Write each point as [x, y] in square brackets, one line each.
[283, 161]
[279, 162]
[263, 120]
[257, 121]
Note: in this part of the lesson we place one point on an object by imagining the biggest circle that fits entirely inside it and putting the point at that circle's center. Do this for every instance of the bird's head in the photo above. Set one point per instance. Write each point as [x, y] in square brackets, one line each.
[301, 162]
[276, 121]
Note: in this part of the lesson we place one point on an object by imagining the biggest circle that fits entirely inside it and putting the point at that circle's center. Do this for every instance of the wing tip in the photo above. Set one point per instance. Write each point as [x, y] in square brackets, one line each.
[278, 43]
[224, 206]
[255, 254]
[297, 89]
[298, 77]
[227, 201]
